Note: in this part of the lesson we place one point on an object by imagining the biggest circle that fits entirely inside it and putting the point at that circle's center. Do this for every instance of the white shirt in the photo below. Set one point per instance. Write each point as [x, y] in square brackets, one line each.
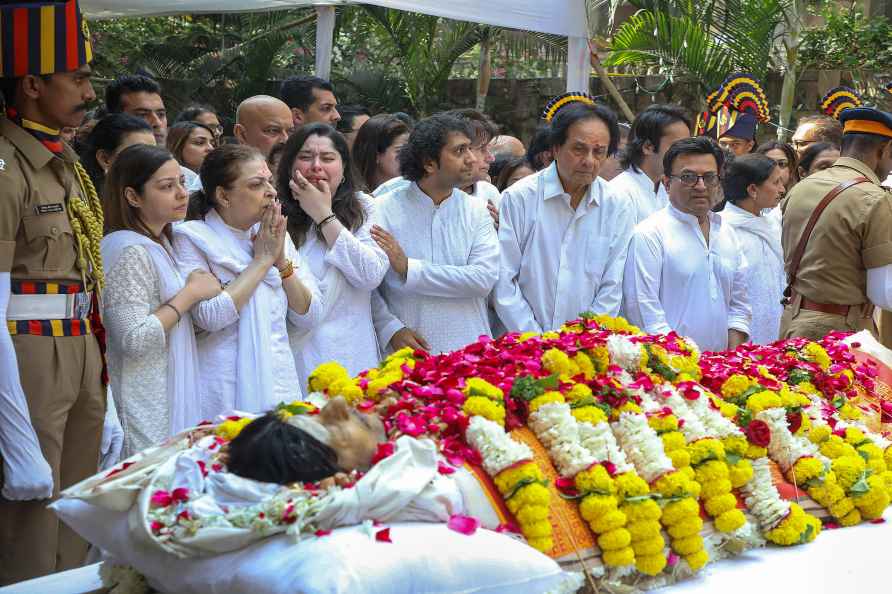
[675, 281]
[760, 239]
[360, 265]
[556, 262]
[888, 181]
[638, 188]
[482, 189]
[218, 317]
[453, 254]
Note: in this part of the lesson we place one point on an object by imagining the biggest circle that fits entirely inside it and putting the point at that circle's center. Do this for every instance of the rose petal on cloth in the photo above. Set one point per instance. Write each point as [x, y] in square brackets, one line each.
[321, 533]
[464, 524]
[444, 468]
[161, 498]
[383, 535]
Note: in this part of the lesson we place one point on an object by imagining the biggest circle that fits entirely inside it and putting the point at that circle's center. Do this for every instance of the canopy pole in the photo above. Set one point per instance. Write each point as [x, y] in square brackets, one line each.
[325, 22]
[579, 65]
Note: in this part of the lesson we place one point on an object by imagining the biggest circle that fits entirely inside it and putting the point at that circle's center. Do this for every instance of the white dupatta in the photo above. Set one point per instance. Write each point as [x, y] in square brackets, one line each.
[183, 387]
[765, 227]
[254, 376]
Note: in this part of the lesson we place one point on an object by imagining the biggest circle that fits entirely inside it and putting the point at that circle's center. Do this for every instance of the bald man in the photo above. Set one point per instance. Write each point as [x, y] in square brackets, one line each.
[263, 122]
[507, 145]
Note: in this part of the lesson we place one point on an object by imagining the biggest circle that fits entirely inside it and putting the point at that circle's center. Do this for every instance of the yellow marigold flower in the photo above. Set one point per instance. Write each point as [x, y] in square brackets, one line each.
[537, 530]
[849, 412]
[347, 388]
[512, 475]
[577, 392]
[650, 546]
[589, 414]
[600, 358]
[486, 408]
[609, 521]
[526, 336]
[679, 456]
[848, 470]
[641, 531]
[614, 539]
[647, 510]
[595, 479]
[230, 429]
[534, 494]
[475, 386]
[550, 335]
[735, 444]
[678, 510]
[595, 506]
[715, 488]
[556, 361]
[854, 435]
[763, 400]
[687, 545]
[754, 452]
[790, 399]
[546, 398]
[815, 524]
[816, 354]
[834, 447]
[720, 504]
[619, 557]
[541, 544]
[806, 388]
[736, 385]
[630, 484]
[535, 513]
[713, 470]
[697, 560]
[585, 365]
[806, 468]
[740, 474]
[630, 407]
[730, 521]
[326, 374]
[872, 451]
[650, 564]
[687, 527]
[851, 519]
[841, 507]
[706, 449]
[403, 353]
[819, 433]
[376, 386]
[663, 423]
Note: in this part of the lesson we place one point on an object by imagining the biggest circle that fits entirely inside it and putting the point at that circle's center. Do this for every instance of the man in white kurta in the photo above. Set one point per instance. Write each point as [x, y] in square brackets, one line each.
[686, 270]
[563, 234]
[653, 132]
[441, 243]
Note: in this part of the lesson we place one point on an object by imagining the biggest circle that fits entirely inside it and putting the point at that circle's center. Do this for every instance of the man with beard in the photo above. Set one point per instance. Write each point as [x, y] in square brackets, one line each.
[51, 392]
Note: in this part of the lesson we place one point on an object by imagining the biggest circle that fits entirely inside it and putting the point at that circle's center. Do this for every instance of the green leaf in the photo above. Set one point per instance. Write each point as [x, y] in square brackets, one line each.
[797, 376]
[732, 458]
[658, 366]
[528, 387]
[523, 483]
[806, 536]
[839, 401]
[861, 486]
[744, 416]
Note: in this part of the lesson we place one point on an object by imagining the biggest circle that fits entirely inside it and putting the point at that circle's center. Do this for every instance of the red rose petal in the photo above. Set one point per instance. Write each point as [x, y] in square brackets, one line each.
[321, 533]
[467, 525]
[383, 535]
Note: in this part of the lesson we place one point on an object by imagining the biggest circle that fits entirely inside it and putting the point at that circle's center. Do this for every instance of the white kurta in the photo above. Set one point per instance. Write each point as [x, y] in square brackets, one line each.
[556, 262]
[760, 239]
[675, 281]
[137, 350]
[218, 317]
[638, 188]
[453, 254]
[482, 189]
[348, 273]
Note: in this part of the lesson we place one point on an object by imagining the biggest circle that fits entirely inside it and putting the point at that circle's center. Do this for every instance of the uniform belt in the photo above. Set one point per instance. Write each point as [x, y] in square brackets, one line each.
[70, 306]
[49, 327]
[832, 308]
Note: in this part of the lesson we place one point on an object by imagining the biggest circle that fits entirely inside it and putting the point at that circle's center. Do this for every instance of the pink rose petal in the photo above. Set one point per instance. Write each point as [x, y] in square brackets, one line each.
[464, 524]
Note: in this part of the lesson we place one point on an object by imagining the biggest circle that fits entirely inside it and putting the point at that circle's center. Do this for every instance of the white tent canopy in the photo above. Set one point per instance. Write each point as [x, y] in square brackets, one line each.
[558, 17]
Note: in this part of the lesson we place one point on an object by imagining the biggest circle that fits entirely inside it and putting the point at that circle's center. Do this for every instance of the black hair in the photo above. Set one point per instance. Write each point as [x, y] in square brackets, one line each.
[540, 143]
[813, 152]
[697, 145]
[107, 135]
[178, 135]
[123, 85]
[856, 144]
[271, 450]
[348, 114]
[297, 91]
[512, 165]
[427, 141]
[192, 112]
[373, 140]
[753, 168]
[484, 129]
[219, 170]
[784, 147]
[344, 202]
[405, 118]
[578, 112]
[650, 126]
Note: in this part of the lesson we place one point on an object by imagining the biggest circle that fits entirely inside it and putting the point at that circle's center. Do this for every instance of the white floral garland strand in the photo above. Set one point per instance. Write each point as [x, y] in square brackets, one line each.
[624, 352]
[786, 448]
[691, 427]
[601, 444]
[642, 446]
[762, 498]
[557, 429]
[497, 449]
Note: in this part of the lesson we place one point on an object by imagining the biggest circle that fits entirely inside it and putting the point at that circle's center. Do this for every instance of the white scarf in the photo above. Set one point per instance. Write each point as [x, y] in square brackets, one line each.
[254, 379]
[183, 387]
[764, 227]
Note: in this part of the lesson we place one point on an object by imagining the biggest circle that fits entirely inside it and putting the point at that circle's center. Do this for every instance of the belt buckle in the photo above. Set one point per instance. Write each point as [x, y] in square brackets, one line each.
[81, 305]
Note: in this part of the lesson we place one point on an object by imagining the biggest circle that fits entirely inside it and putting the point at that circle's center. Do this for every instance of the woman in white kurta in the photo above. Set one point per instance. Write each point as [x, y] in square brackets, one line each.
[240, 237]
[152, 358]
[329, 222]
[754, 185]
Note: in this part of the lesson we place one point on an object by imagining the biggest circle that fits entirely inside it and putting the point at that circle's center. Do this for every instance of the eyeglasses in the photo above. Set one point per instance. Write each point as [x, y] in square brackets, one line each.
[782, 163]
[801, 144]
[690, 180]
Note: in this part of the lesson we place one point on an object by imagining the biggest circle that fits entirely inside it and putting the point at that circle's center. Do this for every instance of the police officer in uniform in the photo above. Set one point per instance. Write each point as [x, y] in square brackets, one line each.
[837, 234]
[52, 400]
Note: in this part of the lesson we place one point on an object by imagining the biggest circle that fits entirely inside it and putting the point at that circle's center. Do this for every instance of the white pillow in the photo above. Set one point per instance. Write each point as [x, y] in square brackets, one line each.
[422, 557]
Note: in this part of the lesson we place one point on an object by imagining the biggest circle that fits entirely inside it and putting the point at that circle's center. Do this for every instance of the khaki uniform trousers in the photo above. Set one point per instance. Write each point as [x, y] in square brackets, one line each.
[815, 325]
[61, 380]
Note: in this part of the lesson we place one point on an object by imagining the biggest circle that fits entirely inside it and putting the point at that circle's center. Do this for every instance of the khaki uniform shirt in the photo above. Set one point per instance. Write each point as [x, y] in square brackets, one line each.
[36, 240]
[854, 233]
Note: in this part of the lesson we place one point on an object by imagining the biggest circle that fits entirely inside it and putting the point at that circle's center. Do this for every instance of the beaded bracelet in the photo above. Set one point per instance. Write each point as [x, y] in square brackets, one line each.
[326, 220]
[286, 270]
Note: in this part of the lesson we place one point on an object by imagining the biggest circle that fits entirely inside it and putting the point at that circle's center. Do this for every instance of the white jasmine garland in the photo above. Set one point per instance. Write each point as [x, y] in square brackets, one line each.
[558, 430]
[497, 449]
[601, 444]
[713, 420]
[624, 352]
[786, 448]
[762, 498]
[642, 446]
[691, 428]
[877, 439]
